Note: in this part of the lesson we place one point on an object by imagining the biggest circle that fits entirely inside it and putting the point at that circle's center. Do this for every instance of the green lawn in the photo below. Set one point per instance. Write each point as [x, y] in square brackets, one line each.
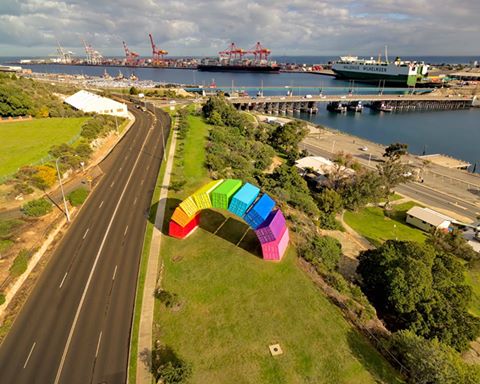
[473, 278]
[234, 305]
[27, 142]
[372, 223]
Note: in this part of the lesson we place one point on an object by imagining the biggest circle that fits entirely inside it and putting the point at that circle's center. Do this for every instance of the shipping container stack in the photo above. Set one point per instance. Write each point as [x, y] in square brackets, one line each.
[243, 199]
[270, 226]
[273, 236]
[223, 194]
[259, 212]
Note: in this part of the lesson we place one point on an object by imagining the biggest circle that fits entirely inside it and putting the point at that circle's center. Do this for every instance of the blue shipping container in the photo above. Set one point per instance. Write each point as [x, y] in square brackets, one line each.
[260, 211]
[242, 200]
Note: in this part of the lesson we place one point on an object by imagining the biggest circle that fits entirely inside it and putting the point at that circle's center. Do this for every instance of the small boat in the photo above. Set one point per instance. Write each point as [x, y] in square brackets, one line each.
[106, 75]
[337, 107]
[386, 108]
[355, 106]
[119, 76]
[133, 77]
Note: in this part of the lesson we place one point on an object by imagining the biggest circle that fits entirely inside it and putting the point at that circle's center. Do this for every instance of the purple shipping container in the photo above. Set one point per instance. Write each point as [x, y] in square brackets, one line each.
[272, 228]
[275, 250]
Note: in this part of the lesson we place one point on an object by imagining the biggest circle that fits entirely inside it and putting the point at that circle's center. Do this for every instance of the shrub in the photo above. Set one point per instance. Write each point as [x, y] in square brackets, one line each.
[2, 298]
[37, 208]
[22, 188]
[44, 177]
[167, 298]
[78, 196]
[167, 367]
[323, 251]
[20, 263]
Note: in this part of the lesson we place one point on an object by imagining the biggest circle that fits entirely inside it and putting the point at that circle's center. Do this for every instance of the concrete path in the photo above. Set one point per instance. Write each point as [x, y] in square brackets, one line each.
[143, 375]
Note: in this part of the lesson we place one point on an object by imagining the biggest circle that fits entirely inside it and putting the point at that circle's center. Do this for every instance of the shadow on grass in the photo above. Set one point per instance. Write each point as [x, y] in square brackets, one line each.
[223, 225]
[371, 359]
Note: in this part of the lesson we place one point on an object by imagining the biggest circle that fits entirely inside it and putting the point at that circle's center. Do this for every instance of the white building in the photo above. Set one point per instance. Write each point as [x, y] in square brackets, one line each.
[90, 102]
[427, 219]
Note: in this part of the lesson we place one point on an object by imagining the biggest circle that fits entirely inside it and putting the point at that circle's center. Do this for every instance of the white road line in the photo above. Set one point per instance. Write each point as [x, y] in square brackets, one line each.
[30, 354]
[100, 206]
[143, 180]
[119, 169]
[98, 344]
[126, 229]
[63, 280]
[114, 273]
[113, 183]
[89, 280]
[85, 235]
[135, 201]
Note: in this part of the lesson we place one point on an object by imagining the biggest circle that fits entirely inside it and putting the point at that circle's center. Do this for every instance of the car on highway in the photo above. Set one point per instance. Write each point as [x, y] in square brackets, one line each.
[364, 148]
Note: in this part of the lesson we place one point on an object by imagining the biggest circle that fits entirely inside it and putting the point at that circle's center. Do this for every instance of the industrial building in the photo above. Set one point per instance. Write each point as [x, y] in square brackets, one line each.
[90, 102]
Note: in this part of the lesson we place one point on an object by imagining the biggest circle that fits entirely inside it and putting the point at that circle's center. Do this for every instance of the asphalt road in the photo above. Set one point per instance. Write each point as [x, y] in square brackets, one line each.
[75, 326]
[417, 191]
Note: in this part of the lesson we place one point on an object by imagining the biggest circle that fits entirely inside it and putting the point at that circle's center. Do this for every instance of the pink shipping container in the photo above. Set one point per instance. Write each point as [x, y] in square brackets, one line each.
[272, 228]
[275, 250]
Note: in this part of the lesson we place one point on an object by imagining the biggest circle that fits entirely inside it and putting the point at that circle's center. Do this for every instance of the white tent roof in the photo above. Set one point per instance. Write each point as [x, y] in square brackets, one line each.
[428, 215]
[90, 102]
[321, 165]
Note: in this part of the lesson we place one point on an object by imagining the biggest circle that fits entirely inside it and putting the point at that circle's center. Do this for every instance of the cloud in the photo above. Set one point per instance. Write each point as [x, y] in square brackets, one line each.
[203, 27]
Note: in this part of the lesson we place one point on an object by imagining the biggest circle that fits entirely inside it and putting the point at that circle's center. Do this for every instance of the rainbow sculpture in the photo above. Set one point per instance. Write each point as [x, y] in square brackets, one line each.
[243, 200]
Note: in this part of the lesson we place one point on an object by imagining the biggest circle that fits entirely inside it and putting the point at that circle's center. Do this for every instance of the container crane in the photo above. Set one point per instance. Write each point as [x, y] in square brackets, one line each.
[65, 57]
[233, 52]
[157, 54]
[259, 52]
[131, 58]
[93, 57]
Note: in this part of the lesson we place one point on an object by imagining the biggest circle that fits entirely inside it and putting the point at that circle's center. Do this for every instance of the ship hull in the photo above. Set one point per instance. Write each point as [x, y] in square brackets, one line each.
[238, 68]
[374, 78]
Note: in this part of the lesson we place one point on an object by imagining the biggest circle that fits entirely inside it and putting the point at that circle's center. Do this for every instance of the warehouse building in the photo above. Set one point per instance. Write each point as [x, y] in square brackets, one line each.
[90, 102]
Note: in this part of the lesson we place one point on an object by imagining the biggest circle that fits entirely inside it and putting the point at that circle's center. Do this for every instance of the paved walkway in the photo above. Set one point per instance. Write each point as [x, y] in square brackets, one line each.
[143, 375]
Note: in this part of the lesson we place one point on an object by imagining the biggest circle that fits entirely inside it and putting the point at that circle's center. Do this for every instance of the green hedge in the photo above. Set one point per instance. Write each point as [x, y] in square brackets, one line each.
[78, 196]
[37, 208]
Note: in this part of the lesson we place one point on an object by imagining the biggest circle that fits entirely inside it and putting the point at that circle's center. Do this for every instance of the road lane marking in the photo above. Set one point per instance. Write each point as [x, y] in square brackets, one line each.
[85, 234]
[135, 201]
[126, 229]
[100, 206]
[114, 273]
[98, 344]
[94, 266]
[119, 169]
[143, 180]
[113, 183]
[30, 354]
[63, 280]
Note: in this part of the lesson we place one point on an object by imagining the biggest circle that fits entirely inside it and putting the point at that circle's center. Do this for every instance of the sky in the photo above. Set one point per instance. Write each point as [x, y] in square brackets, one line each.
[204, 27]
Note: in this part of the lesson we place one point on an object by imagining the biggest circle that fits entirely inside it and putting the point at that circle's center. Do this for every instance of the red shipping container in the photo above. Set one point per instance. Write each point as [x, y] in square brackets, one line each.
[176, 230]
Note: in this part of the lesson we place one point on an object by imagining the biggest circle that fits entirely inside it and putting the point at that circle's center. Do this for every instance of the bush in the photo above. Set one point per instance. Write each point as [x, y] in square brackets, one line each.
[323, 251]
[78, 196]
[44, 177]
[167, 298]
[2, 298]
[37, 208]
[22, 188]
[167, 367]
[20, 263]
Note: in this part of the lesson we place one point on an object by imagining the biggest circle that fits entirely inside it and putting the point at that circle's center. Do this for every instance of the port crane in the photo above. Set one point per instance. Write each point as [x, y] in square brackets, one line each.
[65, 57]
[259, 52]
[131, 58]
[93, 57]
[233, 52]
[157, 54]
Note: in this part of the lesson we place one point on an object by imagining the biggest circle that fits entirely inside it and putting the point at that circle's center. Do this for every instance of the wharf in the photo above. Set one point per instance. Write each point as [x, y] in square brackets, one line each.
[290, 104]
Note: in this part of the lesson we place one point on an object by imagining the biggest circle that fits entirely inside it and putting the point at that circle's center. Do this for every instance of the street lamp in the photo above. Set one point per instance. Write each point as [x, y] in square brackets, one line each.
[161, 128]
[67, 213]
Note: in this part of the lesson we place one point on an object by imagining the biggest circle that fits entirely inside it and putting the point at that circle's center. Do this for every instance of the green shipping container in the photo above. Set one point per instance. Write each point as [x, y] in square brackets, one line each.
[222, 195]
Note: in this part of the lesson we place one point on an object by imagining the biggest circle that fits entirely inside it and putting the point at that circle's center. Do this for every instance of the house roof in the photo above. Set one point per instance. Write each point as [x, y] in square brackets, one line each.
[428, 215]
[320, 165]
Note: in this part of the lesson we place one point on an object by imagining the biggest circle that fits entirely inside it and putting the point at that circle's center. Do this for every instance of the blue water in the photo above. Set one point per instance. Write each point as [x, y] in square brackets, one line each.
[454, 133]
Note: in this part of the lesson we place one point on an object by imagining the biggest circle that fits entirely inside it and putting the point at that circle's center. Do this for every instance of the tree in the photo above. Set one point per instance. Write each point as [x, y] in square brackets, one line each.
[395, 151]
[431, 362]
[323, 251]
[330, 203]
[393, 173]
[415, 287]
[453, 242]
[133, 91]
[44, 177]
[167, 367]
[287, 137]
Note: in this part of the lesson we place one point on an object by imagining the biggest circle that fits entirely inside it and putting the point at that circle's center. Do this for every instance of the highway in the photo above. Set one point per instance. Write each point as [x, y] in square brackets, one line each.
[426, 195]
[75, 325]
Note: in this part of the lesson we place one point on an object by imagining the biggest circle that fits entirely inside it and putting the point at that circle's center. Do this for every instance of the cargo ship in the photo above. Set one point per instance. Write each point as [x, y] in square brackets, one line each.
[396, 73]
[232, 60]
[218, 65]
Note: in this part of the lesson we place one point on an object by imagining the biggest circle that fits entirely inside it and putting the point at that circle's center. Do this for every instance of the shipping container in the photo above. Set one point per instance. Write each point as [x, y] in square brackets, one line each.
[272, 228]
[180, 217]
[243, 199]
[176, 230]
[202, 196]
[222, 195]
[274, 250]
[259, 212]
[189, 207]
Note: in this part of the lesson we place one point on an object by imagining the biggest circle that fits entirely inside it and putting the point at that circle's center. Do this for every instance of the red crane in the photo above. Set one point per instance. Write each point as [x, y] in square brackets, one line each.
[233, 52]
[260, 52]
[157, 54]
[131, 58]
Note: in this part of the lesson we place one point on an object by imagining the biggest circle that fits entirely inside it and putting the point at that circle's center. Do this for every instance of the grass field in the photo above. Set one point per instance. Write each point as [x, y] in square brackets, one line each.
[372, 224]
[473, 278]
[234, 305]
[27, 142]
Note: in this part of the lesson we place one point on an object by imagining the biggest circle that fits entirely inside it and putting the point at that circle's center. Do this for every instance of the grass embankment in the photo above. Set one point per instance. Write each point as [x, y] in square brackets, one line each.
[27, 142]
[143, 267]
[376, 227]
[234, 305]
[473, 278]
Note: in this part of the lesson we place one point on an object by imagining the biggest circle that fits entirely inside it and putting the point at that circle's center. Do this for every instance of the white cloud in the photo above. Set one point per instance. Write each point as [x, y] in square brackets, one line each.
[202, 27]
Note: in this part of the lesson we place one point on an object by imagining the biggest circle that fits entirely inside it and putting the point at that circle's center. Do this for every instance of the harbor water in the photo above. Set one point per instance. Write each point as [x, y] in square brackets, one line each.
[454, 133]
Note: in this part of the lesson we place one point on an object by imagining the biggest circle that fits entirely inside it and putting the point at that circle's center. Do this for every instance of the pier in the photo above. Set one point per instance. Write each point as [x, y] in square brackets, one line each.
[291, 104]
